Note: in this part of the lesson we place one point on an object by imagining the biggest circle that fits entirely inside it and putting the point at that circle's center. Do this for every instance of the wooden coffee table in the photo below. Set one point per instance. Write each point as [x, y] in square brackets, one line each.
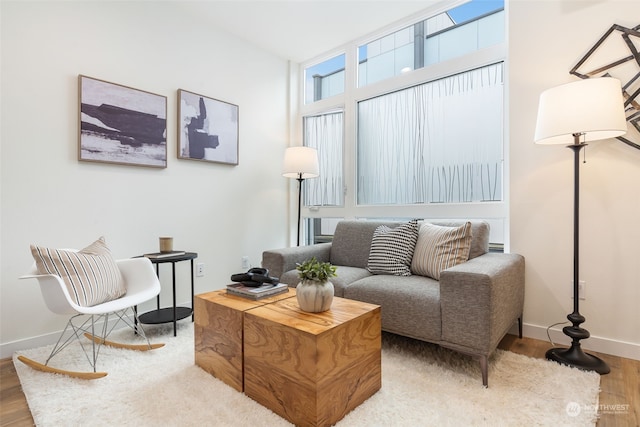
[218, 333]
[312, 368]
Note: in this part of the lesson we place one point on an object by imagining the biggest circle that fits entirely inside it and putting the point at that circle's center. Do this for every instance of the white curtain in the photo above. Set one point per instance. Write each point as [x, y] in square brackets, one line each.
[439, 142]
[325, 133]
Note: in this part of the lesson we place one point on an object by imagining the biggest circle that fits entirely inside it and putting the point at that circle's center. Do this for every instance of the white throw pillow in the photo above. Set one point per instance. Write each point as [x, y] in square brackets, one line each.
[91, 274]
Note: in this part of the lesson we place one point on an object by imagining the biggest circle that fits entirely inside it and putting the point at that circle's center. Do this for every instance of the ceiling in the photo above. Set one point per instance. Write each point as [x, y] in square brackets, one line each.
[300, 30]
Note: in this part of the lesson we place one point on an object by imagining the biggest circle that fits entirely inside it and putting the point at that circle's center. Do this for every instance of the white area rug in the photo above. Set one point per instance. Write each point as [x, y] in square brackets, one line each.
[422, 385]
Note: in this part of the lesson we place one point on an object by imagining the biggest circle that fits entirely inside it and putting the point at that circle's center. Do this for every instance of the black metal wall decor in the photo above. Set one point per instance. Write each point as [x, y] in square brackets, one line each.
[616, 55]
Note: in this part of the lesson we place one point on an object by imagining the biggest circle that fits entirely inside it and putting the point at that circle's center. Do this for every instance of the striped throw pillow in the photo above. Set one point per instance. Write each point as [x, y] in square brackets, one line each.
[392, 249]
[439, 248]
[91, 274]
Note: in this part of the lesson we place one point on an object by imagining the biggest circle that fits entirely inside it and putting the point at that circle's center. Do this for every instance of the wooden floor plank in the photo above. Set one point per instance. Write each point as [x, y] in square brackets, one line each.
[14, 410]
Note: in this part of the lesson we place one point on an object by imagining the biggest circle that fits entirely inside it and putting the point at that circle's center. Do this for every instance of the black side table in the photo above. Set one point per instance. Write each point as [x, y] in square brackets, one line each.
[170, 314]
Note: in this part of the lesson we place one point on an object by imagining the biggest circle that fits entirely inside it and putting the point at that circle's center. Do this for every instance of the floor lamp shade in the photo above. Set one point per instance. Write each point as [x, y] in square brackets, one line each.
[300, 163]
[590, 110]
[593, 108]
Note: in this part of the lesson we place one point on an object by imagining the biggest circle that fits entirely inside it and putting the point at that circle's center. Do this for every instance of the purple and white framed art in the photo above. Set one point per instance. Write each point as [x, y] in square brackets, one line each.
[207, 129]
[121, 125]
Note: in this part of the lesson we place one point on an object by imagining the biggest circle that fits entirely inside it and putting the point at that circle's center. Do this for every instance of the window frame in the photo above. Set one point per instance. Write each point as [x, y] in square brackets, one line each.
[496, 212]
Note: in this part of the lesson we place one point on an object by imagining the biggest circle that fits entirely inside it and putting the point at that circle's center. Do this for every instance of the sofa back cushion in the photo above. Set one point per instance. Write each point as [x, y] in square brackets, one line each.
[352, 239]
[352, 242]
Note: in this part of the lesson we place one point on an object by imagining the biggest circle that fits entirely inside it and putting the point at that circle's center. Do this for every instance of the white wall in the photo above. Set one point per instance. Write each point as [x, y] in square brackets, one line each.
[547, 38]
[224, 212]
[49, 198]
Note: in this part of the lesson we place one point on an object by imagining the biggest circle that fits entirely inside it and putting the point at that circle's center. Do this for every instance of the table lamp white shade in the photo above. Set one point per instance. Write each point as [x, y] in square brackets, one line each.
[300, 162]
[592, 108]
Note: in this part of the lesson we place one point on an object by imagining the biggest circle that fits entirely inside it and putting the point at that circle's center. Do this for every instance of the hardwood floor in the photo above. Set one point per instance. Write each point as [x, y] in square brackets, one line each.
[619, 395]
[14, 410]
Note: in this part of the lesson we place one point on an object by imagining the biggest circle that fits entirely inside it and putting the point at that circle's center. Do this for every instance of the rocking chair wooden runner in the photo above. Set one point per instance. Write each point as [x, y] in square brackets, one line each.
[141, 285]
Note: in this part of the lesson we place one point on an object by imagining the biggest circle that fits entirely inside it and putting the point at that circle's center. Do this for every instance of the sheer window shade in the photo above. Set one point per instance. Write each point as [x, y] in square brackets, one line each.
[325, 133]
[438, 142]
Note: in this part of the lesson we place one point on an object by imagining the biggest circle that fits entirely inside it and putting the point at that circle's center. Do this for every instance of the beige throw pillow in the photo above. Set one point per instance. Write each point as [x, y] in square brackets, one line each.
[439, 248]
[91, 274]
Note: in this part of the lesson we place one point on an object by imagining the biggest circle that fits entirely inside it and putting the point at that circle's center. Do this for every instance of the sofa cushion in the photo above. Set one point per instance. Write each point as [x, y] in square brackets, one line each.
[345, 276]
[91, 274]
[352, 242]
[410, 305]
[392, 249]
[290, 278]
[439, 248]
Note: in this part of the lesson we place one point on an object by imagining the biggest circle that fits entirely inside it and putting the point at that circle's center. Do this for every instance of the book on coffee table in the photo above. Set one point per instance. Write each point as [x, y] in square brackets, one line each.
[255, 293]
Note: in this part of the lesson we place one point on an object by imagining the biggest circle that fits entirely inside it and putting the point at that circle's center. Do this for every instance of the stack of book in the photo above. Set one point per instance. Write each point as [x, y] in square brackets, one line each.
[263, 291]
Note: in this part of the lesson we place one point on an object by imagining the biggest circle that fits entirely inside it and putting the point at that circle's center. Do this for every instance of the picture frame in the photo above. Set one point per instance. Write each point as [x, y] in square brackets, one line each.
[207, 129]
[121, 125]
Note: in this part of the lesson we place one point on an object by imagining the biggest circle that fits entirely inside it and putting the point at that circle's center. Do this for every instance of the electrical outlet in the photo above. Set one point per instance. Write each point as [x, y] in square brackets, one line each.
[245, 262]
[200, 269]
[582, 293]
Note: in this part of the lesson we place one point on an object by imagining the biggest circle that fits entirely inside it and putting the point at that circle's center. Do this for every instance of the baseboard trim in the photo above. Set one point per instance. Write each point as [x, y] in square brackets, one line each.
[594, 343]
[624, 349]
[7, 349]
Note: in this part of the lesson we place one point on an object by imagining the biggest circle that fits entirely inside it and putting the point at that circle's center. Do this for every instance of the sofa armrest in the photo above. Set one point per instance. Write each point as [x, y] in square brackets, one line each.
[279, 261]
[480, 300]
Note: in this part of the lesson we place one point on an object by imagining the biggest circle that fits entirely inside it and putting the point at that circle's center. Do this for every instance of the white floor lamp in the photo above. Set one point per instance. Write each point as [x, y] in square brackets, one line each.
[300, 163]
[574, 113]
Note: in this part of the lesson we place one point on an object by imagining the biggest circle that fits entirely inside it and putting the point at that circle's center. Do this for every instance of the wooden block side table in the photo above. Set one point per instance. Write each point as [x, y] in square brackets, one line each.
[312, 368]
[218, 333]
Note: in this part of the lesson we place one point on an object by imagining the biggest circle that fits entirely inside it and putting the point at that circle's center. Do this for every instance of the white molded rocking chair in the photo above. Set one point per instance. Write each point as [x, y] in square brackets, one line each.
[142, 285]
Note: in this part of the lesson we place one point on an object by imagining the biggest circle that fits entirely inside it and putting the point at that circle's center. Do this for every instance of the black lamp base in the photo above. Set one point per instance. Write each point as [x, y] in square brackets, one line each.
[575, 357]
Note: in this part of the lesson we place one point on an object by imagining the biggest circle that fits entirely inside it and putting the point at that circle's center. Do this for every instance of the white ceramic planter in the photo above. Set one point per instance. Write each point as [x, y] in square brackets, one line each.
[314, 297]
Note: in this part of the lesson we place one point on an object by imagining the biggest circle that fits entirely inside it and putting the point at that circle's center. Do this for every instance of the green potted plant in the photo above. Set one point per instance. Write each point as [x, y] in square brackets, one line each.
[315, 291]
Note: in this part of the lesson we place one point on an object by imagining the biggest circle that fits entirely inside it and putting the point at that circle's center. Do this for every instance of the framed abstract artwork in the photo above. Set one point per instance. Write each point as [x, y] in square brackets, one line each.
[207, 129]
[121, 125]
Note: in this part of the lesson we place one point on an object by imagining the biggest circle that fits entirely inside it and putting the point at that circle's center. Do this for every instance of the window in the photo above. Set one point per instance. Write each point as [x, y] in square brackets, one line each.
[325, 133]
[461, 39]
[387, 57]
[438, 142]
[324, 80]
[469, 27]
[403, 131]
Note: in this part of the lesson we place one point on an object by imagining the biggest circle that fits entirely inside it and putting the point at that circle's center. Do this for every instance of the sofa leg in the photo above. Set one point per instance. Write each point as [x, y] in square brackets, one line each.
[484, 367]
[520, 327]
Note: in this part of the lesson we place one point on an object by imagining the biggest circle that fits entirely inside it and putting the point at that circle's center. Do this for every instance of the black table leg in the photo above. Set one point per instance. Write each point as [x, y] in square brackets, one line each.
[173, 271]
[192, 290]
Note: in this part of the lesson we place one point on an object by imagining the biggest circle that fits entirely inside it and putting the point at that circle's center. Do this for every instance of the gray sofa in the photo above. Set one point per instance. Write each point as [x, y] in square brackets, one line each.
[470, 309]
